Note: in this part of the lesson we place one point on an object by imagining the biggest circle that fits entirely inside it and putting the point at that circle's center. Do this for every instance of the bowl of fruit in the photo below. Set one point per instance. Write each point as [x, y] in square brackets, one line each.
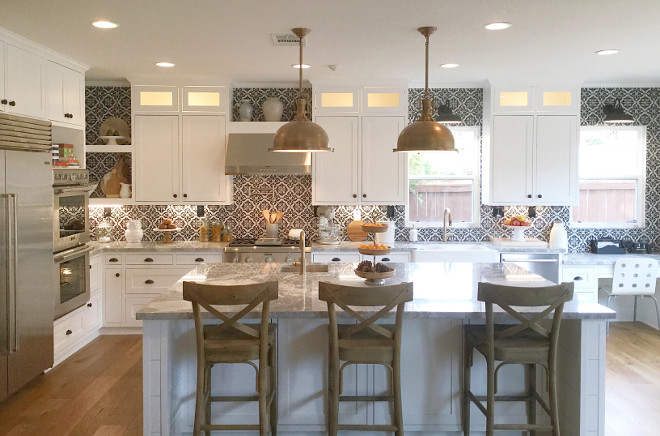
[374, 227]
[375, 274]
[519, 224]
[374, 249]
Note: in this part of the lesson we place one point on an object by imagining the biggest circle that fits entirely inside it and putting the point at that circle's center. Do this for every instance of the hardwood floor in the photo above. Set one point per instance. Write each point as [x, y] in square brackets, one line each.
[98, 391]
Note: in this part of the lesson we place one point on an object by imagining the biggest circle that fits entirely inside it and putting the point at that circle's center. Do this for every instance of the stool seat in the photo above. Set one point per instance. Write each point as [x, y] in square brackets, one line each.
[231, 345]
[525, 347]
[366, 346]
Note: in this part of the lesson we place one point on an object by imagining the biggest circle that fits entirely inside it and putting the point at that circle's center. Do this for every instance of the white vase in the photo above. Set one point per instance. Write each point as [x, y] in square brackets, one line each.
[125, 190]
[558, 236]
[133, 233]
[273, 109]
[245, 111]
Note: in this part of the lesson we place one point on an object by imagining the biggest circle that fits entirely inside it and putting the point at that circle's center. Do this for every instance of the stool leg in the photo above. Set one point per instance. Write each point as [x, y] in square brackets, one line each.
[490, 396]
[273, 387]
[531, 410]
[657, 311]
[200, 398]
[333, 394]
[207, 399]
[552, 391]
[467, 366]
[396, 387]
[263, 395]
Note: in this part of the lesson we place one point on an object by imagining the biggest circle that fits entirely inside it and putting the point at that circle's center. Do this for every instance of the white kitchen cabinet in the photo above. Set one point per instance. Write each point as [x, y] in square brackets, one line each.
[533, 160]
[384, 100]
[3, 98]
[113, 289]
[383, 172]
[156, 139]
[159, 98]
[402, 257]
[96, 273]
[77, 328]
[585, 281]
[363, 169]
[545, 99]
[24, 82]
[326, 257]
[203, 178]
[336, 101]
[205, 98]
[180, 163]
[94, 312]
[152, 280]
[335, 175]
[65, 95]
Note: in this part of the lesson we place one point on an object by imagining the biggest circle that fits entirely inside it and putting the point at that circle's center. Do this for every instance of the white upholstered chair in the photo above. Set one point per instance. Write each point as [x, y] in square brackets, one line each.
[635, 277]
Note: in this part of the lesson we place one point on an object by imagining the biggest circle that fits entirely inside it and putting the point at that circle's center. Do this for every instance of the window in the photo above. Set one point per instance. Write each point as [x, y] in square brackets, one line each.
[439, 180]
[612, 173]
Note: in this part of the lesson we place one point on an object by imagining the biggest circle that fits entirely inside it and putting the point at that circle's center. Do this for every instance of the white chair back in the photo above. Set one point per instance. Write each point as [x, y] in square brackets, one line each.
[635, 276]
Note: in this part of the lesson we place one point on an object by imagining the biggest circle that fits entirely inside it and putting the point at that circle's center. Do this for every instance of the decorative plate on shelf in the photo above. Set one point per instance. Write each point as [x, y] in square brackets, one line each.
[117, 128]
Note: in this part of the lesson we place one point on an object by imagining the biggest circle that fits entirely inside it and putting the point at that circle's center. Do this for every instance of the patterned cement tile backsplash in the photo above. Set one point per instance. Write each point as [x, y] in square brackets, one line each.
[293, 193]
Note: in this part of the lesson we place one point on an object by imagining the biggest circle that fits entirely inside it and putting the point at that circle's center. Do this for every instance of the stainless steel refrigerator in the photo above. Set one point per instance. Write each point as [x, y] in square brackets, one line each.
[27, 288]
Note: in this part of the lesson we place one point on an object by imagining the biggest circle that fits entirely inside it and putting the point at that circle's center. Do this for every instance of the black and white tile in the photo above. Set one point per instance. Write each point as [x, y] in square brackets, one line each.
[101, 103]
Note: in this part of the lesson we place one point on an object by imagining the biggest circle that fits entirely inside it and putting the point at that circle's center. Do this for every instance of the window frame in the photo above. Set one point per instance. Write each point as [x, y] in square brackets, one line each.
[640, 178]
[476, 187]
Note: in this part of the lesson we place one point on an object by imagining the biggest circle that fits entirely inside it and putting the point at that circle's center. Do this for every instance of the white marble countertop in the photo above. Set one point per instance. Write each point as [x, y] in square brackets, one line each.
[179, 246]
[601, 259]
[350, 246]
[441, 290]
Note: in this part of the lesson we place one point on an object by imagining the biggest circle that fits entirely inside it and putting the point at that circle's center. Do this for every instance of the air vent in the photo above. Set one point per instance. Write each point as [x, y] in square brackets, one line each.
[286, 39]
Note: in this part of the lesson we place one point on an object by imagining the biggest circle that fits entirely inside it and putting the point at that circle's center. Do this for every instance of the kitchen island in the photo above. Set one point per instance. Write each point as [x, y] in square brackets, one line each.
[444, 299]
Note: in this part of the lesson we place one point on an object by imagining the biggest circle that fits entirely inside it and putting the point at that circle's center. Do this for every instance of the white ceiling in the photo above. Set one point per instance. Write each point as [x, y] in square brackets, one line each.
[373, 41]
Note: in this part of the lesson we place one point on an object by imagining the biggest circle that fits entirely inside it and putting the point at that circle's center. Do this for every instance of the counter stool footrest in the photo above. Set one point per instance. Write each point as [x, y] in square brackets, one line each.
[522, 427]
[235, 398]
[367, 427]
[367, 398]
[215, 427]
[508, 397]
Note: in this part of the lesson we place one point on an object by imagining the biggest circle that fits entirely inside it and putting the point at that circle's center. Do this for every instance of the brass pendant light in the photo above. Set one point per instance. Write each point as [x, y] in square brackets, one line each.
[426, 134]
[300, 135]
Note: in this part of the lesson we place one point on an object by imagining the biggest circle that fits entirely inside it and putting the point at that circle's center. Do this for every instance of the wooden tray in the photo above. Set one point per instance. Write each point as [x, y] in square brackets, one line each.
[354, 231]
[374, 277]
[374, 229]
[374, 252]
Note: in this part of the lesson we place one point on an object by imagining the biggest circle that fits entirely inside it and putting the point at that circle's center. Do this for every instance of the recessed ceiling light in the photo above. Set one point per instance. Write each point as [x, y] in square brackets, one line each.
[497, 26]
[164, 64]
[102, 24]
[305, 66]
[448, 65]
[608, 51]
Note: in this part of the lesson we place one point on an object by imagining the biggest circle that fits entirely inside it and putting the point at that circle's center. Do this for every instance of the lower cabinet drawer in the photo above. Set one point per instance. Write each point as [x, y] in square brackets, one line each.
[584, 278]
[336, 257]
[149, 259]
[196, 259]
[69, 330]
[132, 305]
[152, 280]
[392, 257]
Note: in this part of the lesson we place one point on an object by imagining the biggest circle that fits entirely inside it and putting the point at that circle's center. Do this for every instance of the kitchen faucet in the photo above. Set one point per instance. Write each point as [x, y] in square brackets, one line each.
[302, 252]
[446, 218]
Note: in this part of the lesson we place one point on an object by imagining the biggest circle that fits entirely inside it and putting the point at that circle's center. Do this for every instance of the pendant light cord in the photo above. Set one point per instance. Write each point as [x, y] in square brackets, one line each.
[300, 67]
[426, 78]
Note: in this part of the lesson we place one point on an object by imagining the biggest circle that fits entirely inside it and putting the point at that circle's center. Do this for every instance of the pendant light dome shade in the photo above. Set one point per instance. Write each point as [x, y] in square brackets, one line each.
[300, 135]
[426, 134]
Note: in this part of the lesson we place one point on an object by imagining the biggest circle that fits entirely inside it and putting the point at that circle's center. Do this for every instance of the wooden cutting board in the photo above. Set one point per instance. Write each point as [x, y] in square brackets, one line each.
[354, 231]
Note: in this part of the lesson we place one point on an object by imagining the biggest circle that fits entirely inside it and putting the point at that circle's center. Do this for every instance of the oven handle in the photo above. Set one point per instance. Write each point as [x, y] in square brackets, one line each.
[75, 188]
[67, 255]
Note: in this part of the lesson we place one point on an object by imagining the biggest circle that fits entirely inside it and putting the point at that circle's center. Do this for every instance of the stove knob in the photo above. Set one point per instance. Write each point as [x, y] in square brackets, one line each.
[248, 259]
[288, 259]
[269, 259]
[235, 259]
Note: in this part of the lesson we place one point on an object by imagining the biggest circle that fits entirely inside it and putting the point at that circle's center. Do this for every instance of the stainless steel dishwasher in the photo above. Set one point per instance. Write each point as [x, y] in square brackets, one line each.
[543, 264]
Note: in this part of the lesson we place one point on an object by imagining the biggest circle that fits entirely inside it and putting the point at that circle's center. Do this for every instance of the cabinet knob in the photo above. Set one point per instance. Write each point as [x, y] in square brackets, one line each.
[185, 195]
[68, 332]
[12, 103]
[149, 282]
[113, 259]
[386, 259]
[89, 304]
[90, 267]
[4, 101]
[529, 195]
[174, 195]
[148, 259]
[576, 278]
[354, 195]
[364, 195]
[117, 274]
[336, 259]
[199, 259]
[539, 196]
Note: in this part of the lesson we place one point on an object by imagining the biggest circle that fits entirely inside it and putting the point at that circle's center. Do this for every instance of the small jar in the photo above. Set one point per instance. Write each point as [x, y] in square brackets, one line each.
[104, 232]
[133, 232]
[216, 232]
[226, 234]
[204, 230]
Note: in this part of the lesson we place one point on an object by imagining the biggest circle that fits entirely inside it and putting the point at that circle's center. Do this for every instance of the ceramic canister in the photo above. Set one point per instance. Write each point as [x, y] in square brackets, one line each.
[273, 109]
[387, 237]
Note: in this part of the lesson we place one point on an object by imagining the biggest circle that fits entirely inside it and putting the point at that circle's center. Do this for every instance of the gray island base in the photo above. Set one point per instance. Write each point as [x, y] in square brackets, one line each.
[444, 300]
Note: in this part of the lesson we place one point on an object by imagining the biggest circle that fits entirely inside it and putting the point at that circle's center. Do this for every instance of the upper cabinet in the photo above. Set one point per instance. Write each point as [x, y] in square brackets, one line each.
[174, 98]
[65, 95]
[155, 98]
[384, 101]
[24, 84]
[531, 146]
[205, 99]
[368, 100]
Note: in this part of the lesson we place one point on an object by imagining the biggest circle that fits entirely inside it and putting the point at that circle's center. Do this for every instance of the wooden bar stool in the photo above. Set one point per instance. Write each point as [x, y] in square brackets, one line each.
[527, 343]
[366, 343]
[235, 342]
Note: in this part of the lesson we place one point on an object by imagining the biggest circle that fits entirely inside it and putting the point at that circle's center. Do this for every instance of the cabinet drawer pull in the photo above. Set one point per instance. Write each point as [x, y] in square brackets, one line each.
[89, 304]
[529, 195]
[539, 196]
[68, 332]
[199, 259]
[90, 266]
[354, 195]
[117, 274]
[148, 259]
[576, 278]
[4, 101]
[185, 195]
[114, 259]
[336, 259]
[364, 195]
[386, 259]
[12, 103]
[174, 195]
[149, 282]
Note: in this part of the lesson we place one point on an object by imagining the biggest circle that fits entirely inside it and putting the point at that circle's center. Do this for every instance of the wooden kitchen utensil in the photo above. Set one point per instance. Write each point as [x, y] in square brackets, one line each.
[266, 215]
[273, 216]
[279, 216]
[355, 232]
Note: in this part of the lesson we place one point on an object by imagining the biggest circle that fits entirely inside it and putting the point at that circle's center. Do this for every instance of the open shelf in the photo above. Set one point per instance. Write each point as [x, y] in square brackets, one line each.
[89, 148]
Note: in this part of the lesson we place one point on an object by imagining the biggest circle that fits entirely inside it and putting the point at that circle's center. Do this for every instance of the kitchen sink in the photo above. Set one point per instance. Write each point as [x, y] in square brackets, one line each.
[456, 253]
[311, 268]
